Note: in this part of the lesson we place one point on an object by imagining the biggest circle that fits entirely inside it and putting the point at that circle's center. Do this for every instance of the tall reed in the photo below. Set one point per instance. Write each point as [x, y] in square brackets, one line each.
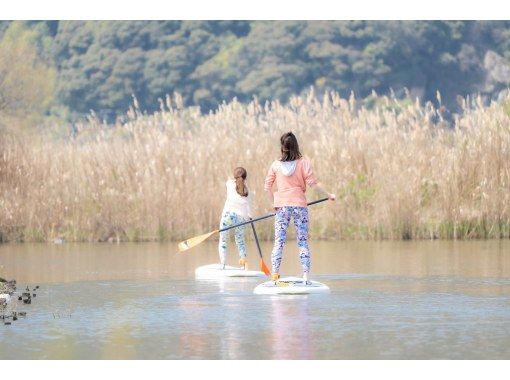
[399, 171]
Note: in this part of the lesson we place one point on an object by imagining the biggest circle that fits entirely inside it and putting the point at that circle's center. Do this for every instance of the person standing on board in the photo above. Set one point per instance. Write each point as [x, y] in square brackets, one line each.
[237, 209]
[291, 173]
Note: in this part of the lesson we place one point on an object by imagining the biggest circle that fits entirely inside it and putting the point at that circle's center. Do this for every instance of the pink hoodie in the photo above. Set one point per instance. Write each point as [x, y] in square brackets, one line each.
[291, 179]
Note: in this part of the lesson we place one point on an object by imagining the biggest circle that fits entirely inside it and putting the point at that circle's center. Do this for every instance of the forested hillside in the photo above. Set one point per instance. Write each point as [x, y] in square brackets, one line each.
[78, 66]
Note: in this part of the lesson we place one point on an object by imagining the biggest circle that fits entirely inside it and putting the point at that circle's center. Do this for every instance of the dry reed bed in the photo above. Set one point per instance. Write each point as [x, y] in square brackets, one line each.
[397, 174]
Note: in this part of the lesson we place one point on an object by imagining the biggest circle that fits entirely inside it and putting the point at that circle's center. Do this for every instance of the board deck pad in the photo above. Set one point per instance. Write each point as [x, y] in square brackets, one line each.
[213, 271]
[291, 285]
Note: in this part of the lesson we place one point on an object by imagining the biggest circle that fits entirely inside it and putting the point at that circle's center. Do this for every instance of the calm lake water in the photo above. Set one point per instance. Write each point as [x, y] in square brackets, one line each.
[389, 300]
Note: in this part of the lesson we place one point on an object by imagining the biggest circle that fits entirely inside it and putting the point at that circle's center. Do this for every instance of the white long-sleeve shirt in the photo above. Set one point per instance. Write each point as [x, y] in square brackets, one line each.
[235, 202]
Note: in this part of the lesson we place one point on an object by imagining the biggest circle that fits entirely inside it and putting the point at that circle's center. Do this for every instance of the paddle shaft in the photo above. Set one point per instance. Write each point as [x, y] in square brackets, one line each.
[256, 240]
[266, 216]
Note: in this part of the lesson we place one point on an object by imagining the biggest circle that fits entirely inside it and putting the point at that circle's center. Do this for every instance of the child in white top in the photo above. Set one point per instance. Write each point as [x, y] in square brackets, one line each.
[237, 209]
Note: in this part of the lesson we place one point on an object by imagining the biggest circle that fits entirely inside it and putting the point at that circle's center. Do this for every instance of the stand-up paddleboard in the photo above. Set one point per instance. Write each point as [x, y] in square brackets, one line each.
[213, 271]
[291, 285]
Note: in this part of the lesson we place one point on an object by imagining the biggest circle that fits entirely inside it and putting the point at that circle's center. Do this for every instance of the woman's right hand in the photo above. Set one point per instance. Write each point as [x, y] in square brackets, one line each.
[332, 197]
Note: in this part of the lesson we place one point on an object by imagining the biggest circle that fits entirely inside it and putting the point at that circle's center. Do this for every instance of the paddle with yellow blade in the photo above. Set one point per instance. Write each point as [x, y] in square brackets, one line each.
[194, 241]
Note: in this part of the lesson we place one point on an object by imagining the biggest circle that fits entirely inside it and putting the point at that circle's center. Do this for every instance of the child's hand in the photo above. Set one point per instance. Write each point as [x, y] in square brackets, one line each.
[332, 197]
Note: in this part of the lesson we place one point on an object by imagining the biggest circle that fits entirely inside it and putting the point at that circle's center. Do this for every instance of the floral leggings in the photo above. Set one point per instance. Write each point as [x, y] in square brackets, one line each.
[282, 221]
[228, 219]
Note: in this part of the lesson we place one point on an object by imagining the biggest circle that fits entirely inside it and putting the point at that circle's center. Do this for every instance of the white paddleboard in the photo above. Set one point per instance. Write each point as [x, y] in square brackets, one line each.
[291, 285]
[212, 271]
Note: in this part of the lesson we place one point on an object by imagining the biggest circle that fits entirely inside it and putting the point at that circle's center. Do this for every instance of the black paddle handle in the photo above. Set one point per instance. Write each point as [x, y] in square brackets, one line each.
[318, 201]
[266, 216]
[249, 221]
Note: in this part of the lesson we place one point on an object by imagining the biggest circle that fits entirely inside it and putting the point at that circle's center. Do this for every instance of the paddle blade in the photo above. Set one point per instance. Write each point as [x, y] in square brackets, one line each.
[194, 241]
[264, 268]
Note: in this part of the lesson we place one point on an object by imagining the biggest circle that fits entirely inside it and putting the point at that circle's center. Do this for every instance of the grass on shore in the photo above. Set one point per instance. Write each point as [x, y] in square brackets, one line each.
[399, 171]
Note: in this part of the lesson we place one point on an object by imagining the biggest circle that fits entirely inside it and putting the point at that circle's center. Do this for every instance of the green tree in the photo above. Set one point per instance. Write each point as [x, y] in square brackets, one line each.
[101, 64]
[26, 81]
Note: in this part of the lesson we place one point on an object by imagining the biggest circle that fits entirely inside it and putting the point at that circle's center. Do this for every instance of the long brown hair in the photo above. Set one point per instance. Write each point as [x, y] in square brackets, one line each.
[240, 175]
[289, 147]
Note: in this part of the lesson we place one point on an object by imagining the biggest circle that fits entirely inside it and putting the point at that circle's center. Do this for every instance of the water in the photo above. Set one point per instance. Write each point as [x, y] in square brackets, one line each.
[389, 300]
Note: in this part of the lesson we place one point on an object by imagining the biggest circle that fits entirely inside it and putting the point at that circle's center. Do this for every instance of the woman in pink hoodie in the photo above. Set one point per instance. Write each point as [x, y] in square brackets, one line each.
[292, 173]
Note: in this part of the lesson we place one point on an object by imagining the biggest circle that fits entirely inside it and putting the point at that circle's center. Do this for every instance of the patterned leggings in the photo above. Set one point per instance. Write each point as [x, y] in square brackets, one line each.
[282, 221]
[228, 219]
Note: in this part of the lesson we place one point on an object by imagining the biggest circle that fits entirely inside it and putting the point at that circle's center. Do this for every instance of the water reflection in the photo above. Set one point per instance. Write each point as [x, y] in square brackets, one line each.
[193, 340]
[48, 263]
[290, 326]
[388, 300]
